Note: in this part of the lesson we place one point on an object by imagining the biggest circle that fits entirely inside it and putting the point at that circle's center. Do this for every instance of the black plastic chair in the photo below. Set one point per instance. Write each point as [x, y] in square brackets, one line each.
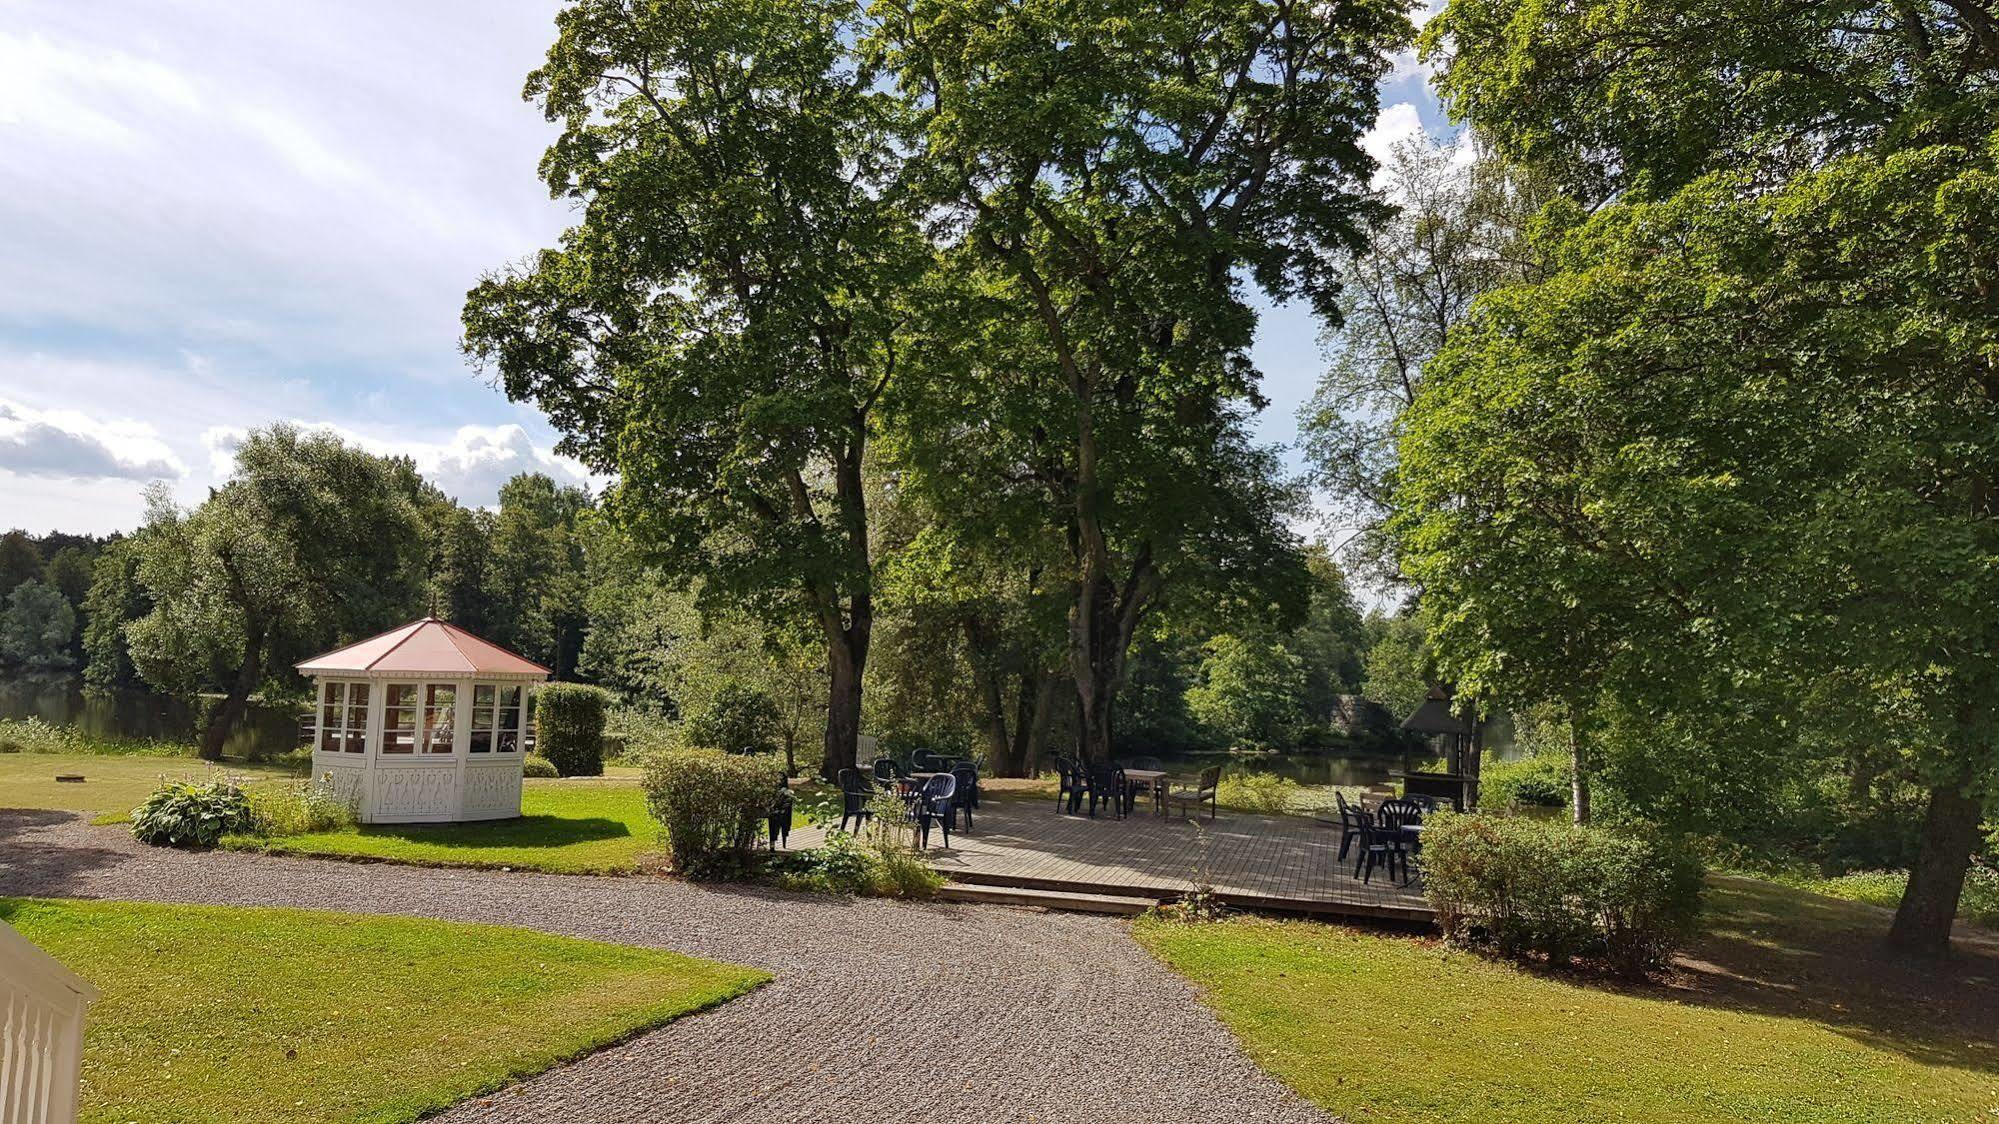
[1349, 823]
[923, 761]
[1203, 791]
[967, 777]
[857, 792]
[936, 803]
[1381, 844]
[1108, 786]
[887, 771]
[780, 815]
[1071, 785]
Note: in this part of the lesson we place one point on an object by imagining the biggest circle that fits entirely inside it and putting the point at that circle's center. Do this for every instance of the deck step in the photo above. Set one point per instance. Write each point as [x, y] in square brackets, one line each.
[1046, 899]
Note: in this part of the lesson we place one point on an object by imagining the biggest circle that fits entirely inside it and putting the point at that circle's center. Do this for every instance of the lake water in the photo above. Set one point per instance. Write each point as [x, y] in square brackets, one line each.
[1305, 768]
[141, 714]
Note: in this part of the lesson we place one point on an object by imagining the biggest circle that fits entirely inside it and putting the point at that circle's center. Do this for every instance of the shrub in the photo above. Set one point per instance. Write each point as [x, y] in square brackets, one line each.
[187, 813]
[1540, 781]
[1266, 793]
[298, 809]
[569, 728]
[710, 806]
[1535, 887]
[32, 735]
[539, 767]
[738, 719]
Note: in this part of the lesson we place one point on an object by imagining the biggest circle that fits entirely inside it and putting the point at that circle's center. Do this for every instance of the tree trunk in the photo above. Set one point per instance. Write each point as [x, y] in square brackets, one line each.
[1578, 773]
[1928, 908]
[235, 702]
[1036, 733]
[1101, 626]
[843, 710]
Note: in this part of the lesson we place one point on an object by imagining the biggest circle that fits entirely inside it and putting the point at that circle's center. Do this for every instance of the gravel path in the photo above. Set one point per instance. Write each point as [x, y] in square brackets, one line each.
[880, 1011]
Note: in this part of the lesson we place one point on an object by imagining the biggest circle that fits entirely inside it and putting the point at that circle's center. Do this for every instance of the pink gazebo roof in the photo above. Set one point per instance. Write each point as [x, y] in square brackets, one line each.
[426, 647]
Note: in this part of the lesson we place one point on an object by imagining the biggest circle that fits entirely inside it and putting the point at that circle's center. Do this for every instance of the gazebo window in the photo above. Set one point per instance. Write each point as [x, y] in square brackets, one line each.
[510, 718]
[343, 718]
[399, 719]
[440, 699]
[482, 717]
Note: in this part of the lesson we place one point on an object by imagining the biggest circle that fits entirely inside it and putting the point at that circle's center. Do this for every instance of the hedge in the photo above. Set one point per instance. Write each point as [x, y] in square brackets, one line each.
[1527, 886]
[711, 806]
[569, 728]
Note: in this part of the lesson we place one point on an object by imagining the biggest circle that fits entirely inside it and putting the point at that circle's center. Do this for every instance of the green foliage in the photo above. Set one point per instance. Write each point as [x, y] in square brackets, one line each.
[1264, 793]
[1399, 666]
[531, 576]
[1250, 690]
[32, 735]
[737, 719]
[115, 599]
[297, 809]
[309, 542]
[1538, 780]
[569, 727]
[538, 767]
[37, 628]
[187, 813]
[847, 864]
[1530, 886]
[710, 806]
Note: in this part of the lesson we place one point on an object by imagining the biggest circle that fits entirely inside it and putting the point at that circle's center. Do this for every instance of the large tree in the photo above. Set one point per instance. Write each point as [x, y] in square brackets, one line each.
[1741, 446]
[1122, 175]
[311, 542]
[720, 327]
[1820, 264]
[1457, 228]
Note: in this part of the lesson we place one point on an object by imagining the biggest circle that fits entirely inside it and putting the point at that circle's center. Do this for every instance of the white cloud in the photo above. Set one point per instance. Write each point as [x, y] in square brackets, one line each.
[71, 445]
[1397, 123]
[469, 467]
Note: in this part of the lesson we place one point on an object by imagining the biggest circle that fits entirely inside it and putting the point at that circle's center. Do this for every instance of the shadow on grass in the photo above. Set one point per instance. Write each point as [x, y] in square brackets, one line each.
[1772, 950]
[525, 831]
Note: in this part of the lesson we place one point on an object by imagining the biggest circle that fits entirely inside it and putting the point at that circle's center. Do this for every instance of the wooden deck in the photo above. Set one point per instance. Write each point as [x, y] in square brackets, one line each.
[1264, 862]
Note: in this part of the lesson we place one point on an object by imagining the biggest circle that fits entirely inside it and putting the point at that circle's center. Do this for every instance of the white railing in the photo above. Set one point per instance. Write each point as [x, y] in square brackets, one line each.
[41, 1033]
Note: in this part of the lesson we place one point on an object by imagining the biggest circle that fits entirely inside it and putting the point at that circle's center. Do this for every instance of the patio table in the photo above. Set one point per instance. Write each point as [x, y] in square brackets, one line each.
[1155, 780]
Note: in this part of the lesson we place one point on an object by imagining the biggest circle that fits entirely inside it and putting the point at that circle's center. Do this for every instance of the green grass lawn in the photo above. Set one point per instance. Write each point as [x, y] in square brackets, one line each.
[575, 826]
[1787, 1011]
[113, 784]
[215, 1014]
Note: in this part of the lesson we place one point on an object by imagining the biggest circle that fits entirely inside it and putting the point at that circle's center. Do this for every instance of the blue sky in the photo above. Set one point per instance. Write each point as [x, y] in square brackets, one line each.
[215, 215]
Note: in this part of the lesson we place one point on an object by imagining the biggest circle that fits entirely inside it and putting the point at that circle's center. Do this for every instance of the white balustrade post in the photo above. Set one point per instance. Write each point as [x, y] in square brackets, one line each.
[41, 1039]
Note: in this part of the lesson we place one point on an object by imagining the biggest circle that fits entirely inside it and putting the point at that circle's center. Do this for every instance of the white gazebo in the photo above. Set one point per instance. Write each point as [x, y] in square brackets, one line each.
[426, 723]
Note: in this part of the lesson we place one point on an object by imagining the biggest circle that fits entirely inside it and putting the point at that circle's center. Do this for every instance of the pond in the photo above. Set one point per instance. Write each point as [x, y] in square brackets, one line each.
[141, 715]
[1340, 768]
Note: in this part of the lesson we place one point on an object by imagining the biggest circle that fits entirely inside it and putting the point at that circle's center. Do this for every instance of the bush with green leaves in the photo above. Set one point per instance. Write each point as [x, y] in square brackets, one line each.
[190, 813]
[1264, 793]
[32, 735]
[1538, 781]
[1530, 887]
[569, 727]
[711, 806]
[301, 808]
[737, 719]
[539, 767]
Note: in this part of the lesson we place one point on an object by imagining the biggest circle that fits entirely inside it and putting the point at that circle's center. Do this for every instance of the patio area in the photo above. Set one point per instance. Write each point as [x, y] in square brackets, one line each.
[1266, 862]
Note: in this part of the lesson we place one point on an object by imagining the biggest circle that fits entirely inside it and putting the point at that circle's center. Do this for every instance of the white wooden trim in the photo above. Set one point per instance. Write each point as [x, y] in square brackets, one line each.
[42, 1007]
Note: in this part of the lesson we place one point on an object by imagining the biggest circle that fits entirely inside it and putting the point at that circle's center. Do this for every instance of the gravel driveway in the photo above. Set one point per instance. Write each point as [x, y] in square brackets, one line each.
[881, 1011]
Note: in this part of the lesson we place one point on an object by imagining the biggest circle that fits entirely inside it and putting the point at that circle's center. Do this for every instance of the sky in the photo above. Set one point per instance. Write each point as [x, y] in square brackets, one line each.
[217, 215]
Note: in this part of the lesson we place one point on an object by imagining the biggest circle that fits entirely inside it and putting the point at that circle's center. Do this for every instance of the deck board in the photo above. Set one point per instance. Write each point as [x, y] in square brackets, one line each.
[1277, 862]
